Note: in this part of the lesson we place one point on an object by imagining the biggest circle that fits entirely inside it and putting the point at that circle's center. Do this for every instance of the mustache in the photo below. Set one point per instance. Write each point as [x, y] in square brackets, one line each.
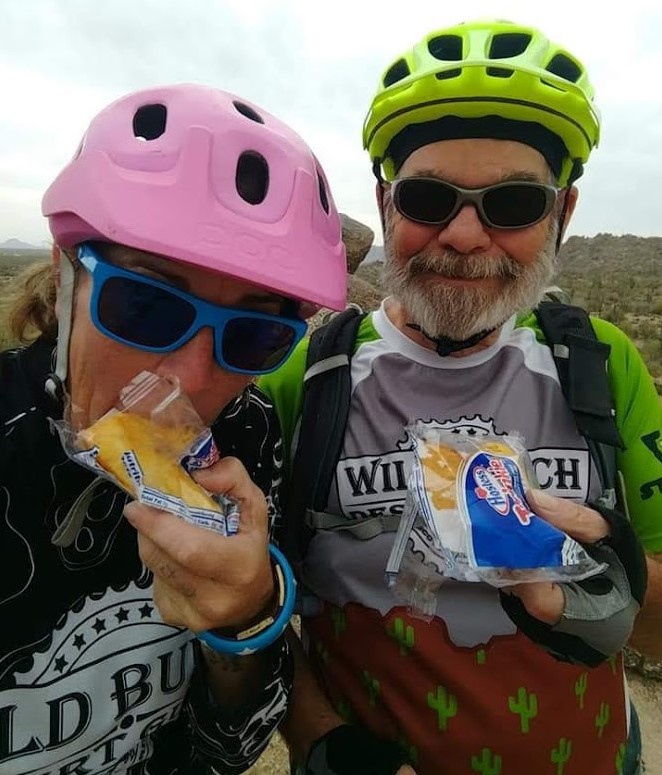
[463, 267]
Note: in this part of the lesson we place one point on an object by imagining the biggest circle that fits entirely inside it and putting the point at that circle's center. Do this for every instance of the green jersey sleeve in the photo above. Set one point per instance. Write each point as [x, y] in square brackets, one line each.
[639, 420]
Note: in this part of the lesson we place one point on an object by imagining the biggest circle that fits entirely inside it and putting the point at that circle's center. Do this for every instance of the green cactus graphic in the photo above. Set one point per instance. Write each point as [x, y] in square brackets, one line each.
[580, 689]
[410, 751]
[372, 685]
[445, 704]
[339, 621]
[620, 759]
[602, 718]
[488, 764]
[526, 707]
[403, 635]
[561, 755]
[481, 657]
[345, 711]
[322, 652]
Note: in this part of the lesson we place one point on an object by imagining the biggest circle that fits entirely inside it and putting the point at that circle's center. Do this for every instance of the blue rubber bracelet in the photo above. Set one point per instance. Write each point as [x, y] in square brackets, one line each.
[265, 638]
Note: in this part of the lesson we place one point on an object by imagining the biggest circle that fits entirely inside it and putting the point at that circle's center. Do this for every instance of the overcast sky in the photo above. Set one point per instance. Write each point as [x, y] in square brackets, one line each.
[315, 65]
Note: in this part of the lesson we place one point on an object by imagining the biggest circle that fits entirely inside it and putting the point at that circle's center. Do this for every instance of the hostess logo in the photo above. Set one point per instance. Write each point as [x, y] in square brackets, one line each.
[498, 483]
[491, 490]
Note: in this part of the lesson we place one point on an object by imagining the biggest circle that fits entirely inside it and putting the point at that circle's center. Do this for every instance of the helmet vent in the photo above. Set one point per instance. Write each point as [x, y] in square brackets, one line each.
[252, 178]
[396, 72]
[247, 111]
[508, 44]
[564, 67]
[499, 72]
[446, 47]
[446, 75]
[149, 122]
[324, 198]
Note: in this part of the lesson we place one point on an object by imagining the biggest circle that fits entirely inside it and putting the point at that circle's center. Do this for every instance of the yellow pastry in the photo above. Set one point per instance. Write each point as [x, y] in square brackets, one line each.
[139, 452]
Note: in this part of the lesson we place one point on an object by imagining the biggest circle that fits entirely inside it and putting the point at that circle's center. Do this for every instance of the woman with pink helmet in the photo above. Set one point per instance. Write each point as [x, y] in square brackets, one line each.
[194, 233]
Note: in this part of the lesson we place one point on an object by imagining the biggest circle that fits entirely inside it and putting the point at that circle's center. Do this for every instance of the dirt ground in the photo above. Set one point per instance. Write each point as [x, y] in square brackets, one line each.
[647, 696]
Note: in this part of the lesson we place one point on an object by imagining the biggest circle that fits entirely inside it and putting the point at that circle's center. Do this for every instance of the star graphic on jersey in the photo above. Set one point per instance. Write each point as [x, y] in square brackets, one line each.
[122, 615]
[99, 625]
[146, 611]
[79, 641]
[60, 664]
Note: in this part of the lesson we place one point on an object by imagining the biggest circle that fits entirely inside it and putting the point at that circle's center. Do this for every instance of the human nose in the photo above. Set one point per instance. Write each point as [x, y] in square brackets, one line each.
[465, 233]
[193, 363]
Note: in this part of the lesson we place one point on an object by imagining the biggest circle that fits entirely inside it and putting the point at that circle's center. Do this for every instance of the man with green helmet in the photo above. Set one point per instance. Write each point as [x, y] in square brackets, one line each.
[476, 136]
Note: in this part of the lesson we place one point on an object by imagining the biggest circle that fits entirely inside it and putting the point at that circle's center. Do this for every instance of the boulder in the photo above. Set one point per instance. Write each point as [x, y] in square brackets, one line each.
[358, 239]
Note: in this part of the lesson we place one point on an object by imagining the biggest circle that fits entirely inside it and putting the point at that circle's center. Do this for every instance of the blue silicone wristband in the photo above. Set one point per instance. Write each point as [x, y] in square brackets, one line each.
[265, 638]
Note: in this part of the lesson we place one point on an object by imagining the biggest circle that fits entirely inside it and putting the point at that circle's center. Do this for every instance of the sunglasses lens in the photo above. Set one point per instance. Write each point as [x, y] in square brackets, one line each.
[142, 314]
[511, 207]
[425, 201]
[256, 345]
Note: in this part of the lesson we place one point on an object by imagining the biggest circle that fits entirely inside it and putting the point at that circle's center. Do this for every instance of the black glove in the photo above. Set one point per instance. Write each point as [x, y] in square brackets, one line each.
[349, 750]
[599, 612]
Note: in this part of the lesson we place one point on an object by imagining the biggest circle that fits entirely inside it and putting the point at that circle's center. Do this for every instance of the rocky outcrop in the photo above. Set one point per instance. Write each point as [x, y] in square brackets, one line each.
[358, 239]
[360, 292]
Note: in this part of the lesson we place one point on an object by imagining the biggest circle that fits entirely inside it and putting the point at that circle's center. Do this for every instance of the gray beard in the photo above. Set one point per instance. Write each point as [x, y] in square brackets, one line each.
[460, 312]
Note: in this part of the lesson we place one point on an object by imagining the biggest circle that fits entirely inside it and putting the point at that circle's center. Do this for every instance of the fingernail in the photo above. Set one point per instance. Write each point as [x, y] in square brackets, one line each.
[130, 511]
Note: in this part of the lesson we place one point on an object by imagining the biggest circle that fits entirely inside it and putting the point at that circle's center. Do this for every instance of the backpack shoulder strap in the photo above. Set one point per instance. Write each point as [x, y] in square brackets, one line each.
[326, 399]
[581, 362]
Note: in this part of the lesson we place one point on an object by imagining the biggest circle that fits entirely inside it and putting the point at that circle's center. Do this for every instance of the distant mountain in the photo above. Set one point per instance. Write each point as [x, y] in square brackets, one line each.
[606, 253]
[376, 253]
[17, 244]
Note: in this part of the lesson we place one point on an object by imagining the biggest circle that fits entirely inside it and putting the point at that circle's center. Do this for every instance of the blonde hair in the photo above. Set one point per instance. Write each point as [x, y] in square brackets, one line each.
[32, 295]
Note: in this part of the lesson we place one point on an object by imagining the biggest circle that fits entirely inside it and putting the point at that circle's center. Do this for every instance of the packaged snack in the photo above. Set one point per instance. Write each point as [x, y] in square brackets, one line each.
[148, 444]
[467, 517]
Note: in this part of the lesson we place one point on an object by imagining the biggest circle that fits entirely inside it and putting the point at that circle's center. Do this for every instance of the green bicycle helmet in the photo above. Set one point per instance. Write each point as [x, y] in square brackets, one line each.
[492, 79]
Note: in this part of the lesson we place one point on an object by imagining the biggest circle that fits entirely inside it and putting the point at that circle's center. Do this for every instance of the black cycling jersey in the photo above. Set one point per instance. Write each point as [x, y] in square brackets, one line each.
[91, 679]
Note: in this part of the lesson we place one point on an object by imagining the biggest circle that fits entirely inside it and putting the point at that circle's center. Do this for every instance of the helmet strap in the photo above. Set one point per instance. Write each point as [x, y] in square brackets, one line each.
[56, 381]
[445, 346]
[377, 172]
[562, 217]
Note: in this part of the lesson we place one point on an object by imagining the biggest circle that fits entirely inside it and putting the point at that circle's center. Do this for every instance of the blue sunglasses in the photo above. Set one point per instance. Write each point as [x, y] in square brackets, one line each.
[149, 315]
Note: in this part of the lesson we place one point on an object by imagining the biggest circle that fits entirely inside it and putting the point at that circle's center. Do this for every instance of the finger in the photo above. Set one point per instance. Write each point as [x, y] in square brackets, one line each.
[578, 521]
[543, 600]
[197, 549]
[406, 770]
[163, 567]
[229, 477]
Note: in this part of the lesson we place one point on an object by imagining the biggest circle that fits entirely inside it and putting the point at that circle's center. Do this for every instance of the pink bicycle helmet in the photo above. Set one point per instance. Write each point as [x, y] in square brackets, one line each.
[204, 177]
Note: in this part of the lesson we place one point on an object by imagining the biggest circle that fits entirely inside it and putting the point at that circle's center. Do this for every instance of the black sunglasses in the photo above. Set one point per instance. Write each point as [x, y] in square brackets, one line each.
[509, 205]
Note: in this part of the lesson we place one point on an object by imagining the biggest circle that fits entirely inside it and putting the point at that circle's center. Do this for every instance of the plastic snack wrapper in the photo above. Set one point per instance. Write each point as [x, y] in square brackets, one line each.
[148, 445]
[466, 517]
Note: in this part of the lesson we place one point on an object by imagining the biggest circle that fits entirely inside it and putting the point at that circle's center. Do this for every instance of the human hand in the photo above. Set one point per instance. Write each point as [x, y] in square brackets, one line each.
[545, 600]
[203, 580]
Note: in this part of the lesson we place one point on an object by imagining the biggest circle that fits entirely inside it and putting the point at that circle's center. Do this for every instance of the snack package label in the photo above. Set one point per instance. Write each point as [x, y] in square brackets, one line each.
[502, 530]
[202, 454]
[149, 444]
